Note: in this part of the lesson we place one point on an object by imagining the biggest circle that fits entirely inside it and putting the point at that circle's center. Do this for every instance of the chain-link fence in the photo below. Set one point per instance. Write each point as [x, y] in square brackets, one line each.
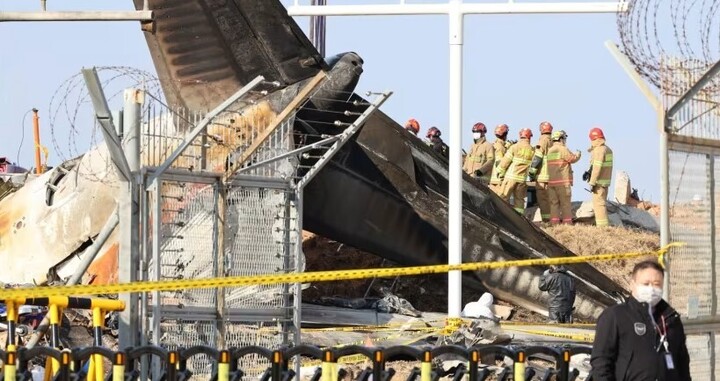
[694, 157]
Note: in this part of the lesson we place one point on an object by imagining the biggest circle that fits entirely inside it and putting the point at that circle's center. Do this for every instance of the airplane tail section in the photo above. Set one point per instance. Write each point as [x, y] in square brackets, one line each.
[204, 50]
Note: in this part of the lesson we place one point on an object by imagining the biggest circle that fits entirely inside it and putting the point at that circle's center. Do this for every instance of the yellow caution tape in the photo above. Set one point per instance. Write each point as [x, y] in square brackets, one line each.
[584, 337]
[318, 276]
[559, 325]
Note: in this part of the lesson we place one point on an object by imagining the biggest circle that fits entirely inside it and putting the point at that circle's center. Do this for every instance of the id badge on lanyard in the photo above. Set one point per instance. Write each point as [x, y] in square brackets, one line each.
[670, 364]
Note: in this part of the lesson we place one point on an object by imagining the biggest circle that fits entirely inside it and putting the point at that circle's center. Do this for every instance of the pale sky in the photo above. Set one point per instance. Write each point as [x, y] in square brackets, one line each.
[518, 69]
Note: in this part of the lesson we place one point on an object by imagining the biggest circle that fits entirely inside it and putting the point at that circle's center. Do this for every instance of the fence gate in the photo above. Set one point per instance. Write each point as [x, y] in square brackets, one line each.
[694, 168]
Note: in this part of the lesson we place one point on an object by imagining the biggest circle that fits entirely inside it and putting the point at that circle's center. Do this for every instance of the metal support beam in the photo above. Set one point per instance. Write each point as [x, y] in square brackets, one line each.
[104, 117]
[448, 8]
[707, 77]
[77, 16]
[455, 171]
[129, 211]
[202, 125]
[629, 69]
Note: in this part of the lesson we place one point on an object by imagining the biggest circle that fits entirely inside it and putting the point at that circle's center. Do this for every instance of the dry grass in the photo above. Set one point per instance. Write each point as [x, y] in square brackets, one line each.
[590, 240]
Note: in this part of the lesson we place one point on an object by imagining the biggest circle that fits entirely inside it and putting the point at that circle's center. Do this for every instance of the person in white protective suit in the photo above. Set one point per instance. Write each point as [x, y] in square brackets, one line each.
[483, 308]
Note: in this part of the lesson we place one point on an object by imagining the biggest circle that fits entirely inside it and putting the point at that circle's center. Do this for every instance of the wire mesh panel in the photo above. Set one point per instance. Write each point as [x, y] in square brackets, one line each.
[690, 283]
[699, 348]
[257, 241]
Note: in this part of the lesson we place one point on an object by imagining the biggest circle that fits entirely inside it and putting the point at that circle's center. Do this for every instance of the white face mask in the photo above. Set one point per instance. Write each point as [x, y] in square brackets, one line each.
[477, 135]
[649, 294]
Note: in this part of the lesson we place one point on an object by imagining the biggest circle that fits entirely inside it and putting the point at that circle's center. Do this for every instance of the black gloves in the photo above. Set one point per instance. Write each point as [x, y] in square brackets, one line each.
[586, 176]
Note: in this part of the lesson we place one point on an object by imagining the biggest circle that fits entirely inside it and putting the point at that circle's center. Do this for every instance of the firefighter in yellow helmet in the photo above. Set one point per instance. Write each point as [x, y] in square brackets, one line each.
[600, 174]
[559, 160]
[479, 161]
[500, 146]
[513, 169]
[539, 164]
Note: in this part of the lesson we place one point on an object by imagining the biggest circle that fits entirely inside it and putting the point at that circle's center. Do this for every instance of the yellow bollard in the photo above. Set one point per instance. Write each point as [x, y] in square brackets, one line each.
[12, 318]
[426, 367]
[519, 366]
[9, 369]
[119, 367]
[97, 360]
[55, 313]
[223, 367]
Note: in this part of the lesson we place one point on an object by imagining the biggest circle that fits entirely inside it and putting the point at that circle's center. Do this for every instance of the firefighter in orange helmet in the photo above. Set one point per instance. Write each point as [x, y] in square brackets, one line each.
[539, 170]
[479, 161]
[560, 182]
[600, 174]
[413, 126]
[513, 169]
[500, 147]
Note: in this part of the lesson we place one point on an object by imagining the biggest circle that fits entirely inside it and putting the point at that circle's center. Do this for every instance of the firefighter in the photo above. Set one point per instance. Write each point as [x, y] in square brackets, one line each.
[560, 287]
[436, 143]
[599, 174]
[560, 175]
[539, 164]
[413, 126]
[499, 148]
[479, 161]
[513, 169]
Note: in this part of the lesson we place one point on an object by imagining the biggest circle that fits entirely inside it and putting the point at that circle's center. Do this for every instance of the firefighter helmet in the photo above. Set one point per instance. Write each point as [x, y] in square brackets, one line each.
[433, 131]
[525, 133]
[479, 127]
[501, 130]
[546, 128]
[413, 126]
[558, 135]
[596, 133]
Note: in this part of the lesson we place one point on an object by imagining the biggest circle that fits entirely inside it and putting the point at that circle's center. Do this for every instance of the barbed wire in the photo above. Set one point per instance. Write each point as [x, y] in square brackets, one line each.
[71, 116]
[672, 43]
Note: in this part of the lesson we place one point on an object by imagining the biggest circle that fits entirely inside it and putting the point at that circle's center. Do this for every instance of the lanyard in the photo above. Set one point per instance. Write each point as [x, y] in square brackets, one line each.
[663, 335]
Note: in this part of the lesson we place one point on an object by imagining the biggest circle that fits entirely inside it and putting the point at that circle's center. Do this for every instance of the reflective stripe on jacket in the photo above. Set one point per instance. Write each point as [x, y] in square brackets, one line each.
[500, 149]
[541, 150]
[601, 161]
[559, 159]
[516, 162]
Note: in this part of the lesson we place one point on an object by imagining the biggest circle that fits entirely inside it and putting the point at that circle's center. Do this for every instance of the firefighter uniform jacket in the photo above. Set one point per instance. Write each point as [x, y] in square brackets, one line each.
[628, 347]
[559, 159]
[601, 159]
[481, 158]
[518, 158]
[541, 150]
[499, 147]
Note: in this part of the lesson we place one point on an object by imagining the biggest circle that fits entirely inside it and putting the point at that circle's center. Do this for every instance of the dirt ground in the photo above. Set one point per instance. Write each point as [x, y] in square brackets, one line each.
[429, 292]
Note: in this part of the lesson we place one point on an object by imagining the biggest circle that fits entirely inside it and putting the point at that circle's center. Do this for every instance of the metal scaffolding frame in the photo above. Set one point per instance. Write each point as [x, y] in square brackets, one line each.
[455, 11]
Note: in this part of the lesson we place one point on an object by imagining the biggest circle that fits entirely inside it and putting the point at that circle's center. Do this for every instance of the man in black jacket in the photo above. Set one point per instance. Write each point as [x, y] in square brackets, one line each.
[561, 289]
[643, 338]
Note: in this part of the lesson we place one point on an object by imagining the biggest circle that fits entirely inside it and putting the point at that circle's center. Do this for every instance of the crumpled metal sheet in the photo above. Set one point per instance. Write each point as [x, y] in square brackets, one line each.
[206, 50]
[35, 236]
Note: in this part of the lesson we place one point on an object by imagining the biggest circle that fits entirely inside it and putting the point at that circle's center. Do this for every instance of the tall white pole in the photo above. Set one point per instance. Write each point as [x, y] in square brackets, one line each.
[455, 170]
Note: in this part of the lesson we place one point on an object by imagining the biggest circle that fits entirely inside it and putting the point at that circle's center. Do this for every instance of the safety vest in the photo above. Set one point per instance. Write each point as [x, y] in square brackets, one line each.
[518, 158]
[602, 164]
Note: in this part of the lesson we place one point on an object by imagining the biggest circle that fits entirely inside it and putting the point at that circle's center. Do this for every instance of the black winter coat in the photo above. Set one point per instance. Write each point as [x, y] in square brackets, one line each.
[561, 288]
[626, 344]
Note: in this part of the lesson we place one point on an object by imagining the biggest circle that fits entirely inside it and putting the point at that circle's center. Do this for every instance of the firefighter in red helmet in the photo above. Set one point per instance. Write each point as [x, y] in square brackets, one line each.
[500, 146]
[600, 174]
[479, 161]
[539, 170]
